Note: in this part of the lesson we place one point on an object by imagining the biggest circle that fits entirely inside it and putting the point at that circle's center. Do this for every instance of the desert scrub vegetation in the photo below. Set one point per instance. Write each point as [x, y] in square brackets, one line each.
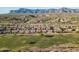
[25, 42]
[18, 32]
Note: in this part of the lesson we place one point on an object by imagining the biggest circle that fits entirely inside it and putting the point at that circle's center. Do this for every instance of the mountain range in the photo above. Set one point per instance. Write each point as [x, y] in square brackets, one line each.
[52, 10]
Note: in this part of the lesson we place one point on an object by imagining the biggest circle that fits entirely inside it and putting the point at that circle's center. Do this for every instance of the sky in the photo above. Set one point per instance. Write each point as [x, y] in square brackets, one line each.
[7, 5]
[4, 10]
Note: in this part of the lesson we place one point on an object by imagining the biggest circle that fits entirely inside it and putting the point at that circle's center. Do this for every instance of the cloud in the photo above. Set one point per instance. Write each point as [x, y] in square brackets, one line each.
[39, 3]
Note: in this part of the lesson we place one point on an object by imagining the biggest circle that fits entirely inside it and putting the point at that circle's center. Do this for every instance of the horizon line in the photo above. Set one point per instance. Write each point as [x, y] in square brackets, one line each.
[5, 10]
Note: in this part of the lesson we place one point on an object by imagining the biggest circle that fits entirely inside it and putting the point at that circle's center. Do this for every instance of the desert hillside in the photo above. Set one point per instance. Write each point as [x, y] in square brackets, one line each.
[39, 23]
[39, 32]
